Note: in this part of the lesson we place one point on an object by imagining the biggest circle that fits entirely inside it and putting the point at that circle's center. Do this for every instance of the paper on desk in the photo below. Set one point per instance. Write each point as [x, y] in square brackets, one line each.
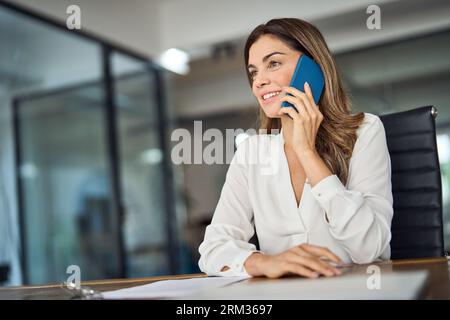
[171, 288]
[394, 285]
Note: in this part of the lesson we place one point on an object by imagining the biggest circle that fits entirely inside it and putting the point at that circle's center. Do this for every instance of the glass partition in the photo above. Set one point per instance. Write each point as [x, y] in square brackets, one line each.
[85, 179]
[67, 212]
[145, 227]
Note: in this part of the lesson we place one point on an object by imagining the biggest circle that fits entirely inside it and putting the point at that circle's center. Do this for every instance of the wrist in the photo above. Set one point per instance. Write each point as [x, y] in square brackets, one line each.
[253, 264]
[305, 155]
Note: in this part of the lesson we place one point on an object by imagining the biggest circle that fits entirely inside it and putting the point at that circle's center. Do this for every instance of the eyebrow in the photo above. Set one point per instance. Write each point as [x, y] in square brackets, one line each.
[265, 58]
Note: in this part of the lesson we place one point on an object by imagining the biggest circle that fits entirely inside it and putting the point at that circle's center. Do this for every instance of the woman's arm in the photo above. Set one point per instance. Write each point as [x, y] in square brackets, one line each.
[225, 246]
[359, 216]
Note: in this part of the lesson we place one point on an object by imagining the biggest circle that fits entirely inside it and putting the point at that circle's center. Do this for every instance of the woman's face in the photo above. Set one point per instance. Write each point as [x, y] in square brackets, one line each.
[271, 65]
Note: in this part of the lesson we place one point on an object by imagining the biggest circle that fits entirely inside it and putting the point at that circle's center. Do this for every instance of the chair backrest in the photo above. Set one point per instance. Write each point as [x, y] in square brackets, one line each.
[417, 227]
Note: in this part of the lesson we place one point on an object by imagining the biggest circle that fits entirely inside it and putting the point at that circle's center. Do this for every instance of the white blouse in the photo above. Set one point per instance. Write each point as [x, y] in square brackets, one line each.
[258, 194]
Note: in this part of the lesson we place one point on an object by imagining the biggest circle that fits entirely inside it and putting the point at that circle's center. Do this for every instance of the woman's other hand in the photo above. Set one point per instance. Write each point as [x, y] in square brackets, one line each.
[305, 260]
[306, 121]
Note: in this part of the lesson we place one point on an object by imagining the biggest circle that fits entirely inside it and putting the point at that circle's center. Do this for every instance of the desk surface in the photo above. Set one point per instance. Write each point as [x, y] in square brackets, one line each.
[437, 286]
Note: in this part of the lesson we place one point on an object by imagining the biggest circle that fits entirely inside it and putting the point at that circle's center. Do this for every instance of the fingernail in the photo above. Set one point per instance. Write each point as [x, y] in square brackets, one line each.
[315, 274]
[307, 84]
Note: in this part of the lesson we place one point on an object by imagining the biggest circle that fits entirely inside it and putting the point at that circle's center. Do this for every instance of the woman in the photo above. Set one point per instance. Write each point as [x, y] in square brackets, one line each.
[329, 201]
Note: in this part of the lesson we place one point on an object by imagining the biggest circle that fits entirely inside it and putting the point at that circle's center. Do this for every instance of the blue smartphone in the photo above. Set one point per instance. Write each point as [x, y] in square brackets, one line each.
[307, 70]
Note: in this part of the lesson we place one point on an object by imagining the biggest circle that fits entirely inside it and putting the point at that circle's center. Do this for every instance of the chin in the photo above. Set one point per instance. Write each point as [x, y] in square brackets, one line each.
[271, 111]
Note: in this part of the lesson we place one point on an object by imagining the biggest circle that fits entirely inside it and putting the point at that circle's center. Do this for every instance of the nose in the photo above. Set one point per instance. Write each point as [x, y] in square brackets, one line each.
[261, 80]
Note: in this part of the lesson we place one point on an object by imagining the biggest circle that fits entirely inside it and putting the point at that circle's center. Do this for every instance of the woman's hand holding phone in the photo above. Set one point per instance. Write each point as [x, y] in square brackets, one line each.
[304, 260]
[306, 121]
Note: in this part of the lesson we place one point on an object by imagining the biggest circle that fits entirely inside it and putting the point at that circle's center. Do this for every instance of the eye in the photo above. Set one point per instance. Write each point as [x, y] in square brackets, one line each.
[252, 74]
[274, 63]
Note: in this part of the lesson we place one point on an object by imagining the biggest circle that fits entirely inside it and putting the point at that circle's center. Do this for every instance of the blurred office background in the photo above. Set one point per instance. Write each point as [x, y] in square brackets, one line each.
[86, 118]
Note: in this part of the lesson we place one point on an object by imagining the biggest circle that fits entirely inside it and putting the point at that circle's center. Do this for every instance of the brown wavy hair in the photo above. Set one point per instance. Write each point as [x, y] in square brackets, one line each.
[336, 136]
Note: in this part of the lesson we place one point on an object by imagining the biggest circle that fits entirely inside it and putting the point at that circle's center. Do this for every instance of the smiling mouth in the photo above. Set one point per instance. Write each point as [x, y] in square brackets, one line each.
[270, 95]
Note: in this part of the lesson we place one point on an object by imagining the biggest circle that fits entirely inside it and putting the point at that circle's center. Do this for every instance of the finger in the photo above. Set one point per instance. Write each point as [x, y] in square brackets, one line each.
[294, 91]
[291, 99]
[321, 251]
[298, 104]
[287, 110]
[300, 270]
[301, 104]
[299, 251]
[316, 115]
[313, 110]
[315, 265]
[299, 94]
[303, 111]
[306, 104]
[327, 264]
[309, 94]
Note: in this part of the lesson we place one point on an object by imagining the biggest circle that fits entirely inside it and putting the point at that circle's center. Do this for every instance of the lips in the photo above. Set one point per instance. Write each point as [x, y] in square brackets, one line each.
[270, 96]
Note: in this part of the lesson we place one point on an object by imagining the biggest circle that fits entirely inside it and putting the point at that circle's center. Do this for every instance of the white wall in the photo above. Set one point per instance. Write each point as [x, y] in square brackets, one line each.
[152, 26]
[203, 22]
[134, 24]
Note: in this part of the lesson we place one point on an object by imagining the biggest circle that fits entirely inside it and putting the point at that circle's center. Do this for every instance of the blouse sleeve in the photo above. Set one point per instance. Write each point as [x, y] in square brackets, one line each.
[359, 216]
[226, 239]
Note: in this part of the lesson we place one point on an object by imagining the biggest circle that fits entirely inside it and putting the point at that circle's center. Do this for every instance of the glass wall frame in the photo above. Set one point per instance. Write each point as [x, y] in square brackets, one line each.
[110, 133]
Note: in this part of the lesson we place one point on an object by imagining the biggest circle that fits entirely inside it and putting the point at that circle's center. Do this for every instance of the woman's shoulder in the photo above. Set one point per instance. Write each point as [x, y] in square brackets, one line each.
[371, 124]
[370, 133]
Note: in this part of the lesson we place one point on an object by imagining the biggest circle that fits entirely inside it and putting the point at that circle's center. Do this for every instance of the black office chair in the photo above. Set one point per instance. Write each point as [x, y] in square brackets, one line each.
[417, 227]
